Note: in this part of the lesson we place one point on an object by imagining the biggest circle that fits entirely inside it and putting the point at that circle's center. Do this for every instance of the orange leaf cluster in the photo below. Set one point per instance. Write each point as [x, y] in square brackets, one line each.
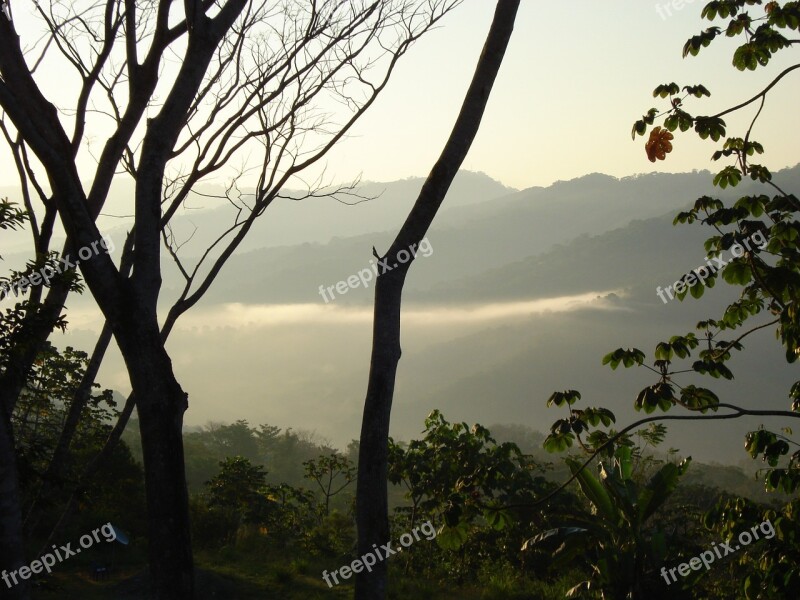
[659, 145]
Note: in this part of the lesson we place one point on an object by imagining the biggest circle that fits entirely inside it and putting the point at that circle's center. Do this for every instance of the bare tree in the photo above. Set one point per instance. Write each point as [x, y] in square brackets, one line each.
[185, 89]
[372, 506]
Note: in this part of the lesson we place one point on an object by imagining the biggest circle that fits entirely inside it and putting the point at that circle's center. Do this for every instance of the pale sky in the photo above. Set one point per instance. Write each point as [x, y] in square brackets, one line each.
[575, 78]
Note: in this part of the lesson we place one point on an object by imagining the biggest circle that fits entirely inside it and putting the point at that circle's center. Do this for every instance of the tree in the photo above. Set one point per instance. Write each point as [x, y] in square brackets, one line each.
[39, 416]
[12, 541]
[252, 78]
[236, 439]
[372, 508]
[332, 473]
[624, 548]
[761, 233]
[239, 490]
[47, 400]
[38, 423]
[459, 478]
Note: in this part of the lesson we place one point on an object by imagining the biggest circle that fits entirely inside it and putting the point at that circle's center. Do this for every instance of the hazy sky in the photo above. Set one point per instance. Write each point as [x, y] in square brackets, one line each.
[576, 76]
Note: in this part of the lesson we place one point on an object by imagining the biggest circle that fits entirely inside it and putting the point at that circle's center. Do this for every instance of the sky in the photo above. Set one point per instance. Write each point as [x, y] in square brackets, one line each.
[576, 76]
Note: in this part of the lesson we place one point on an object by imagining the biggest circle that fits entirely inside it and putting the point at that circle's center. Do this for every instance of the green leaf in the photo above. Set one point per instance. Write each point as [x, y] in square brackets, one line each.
[730, 175]
[714, 368]
[497, 519]
[629, 357]
[713, 127]
[658, 545]
[624, 461]
[698, 91]
[666, 89]
[737, 273]
[659, 395]
[700, 41]
[698, 398]
[659, 488]
[639, 128]
[452, 538]
[749, 56]
[654, 434]
[594, 491]
[558, 442]
[752, 586]
[569, 397]
[595, 416]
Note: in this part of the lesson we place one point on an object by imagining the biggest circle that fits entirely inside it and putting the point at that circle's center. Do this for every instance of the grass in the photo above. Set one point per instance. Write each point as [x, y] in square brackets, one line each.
[245, 574]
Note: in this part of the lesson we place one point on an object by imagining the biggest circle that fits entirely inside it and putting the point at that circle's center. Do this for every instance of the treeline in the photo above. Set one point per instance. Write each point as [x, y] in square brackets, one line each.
[503, 523]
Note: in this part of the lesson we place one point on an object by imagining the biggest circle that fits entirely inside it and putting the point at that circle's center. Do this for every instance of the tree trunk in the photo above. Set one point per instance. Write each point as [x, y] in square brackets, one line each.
[12, 540]
[372, 509]
[160, 404]
[372, 504]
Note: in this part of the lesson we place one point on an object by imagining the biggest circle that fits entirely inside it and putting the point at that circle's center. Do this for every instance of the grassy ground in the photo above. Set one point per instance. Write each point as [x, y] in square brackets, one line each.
[243, 576]
[225, 583]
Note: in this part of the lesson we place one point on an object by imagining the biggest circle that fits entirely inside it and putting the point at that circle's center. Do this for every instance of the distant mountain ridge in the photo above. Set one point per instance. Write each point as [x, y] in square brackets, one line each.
[461, 352]
[478, 246]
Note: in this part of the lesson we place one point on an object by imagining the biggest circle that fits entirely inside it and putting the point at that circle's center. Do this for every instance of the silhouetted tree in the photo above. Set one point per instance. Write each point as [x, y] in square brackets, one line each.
[252, 79]
[372, 496]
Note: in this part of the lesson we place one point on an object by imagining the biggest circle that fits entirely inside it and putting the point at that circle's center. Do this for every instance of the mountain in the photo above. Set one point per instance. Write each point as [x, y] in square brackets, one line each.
[522, 295]
[477, 246]
[206, 214]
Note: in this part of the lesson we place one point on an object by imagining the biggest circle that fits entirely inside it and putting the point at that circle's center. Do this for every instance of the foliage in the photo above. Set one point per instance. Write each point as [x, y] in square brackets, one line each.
[564, 431]
[332, 473]
[768, 272]
[239, 499]
[12, 319]
[475, 491]
[117, 492]
[238, 489]
[618, 537]
[282, 451]
[761, 233]
[768, 570]
[11, 216]
[460, 476]
[41, 411]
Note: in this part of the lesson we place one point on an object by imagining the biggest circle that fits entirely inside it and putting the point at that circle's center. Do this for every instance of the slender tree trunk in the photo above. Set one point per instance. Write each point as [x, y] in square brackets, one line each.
[372, 509]
[12, 539]
[160, 404]
[372, 504]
